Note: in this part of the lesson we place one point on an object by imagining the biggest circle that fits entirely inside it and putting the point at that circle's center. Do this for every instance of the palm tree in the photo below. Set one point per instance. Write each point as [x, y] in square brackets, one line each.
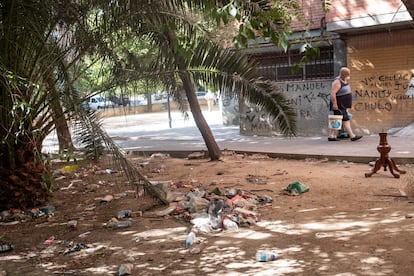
[187, 54]
[33, 83]
[38, 66]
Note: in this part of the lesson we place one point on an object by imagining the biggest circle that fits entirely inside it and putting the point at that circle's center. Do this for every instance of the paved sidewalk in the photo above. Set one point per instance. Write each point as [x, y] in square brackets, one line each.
[145, 134]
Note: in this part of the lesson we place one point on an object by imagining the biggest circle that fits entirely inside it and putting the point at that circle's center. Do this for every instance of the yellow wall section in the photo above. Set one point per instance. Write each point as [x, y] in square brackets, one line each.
[382, 82]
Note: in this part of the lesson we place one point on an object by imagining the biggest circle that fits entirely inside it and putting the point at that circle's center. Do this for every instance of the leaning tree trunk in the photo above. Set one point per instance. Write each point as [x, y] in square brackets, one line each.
[211, 144]
[62, 129]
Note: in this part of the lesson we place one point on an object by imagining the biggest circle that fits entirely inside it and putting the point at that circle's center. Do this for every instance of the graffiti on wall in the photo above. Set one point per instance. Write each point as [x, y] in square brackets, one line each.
[301, 95]
[257, 120]
[380, 92]
[305, 96]
[310, 101]
[230, 110]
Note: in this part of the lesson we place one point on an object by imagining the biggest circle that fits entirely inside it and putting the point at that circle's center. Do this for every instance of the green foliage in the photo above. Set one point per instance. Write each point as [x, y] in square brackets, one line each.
[53, 50]
[260, 18]
[48, 182]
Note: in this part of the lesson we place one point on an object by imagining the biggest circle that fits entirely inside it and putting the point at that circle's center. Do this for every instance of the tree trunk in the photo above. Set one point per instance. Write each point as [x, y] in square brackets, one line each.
[22, 185]
[211, 144]
[149, 98]
[62, 129]
[214, 151]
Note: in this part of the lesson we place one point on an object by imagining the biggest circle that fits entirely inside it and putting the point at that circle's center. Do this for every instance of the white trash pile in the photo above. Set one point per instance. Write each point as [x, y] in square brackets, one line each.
[215, 210]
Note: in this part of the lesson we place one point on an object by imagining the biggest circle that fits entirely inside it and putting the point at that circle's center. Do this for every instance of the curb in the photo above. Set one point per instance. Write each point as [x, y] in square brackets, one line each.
[293, 156]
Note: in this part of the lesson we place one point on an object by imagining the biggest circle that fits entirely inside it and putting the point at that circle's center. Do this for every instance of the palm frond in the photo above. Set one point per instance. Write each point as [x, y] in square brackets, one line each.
[233, 74]
[90, 131]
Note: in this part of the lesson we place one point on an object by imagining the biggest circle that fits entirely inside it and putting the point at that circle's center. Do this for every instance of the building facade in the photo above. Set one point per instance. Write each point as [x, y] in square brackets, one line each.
[374, 38]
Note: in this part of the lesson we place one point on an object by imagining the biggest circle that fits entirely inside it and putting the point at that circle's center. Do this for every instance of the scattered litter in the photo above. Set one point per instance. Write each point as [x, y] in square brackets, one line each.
[296, 188]
[49, 241]
[129, 214]
[77, 247]
[265, 199]
[256, 179]
[166, 211]
[84, 235]
[195, 250]
[15, 216]
[120, 195]
[196, 155]
[160, 156]
[9, 223]
[67, 187]
[114, 223]
[48, 210]
[35, 213]
[111, 171]
[217, 191]
[258, 156]
[191, 238]
[204, 224]
[229, 224]
[265, 256]
[125, 224]
[106, 199]
[143, 164]
[6, 247]
[161, 169]
[72, 223]
[125, 269]
[69, 168]
[322, 235]
[232, 192]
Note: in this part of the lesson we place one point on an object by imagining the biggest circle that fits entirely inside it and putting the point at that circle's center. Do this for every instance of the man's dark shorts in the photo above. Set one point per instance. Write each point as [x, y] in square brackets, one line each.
[344, 102]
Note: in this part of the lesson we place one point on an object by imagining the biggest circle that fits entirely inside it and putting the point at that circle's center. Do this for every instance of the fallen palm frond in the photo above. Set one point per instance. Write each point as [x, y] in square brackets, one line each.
[94, 138]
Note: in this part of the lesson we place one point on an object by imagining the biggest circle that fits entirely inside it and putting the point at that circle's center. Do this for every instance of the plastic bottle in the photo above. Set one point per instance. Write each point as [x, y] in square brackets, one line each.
[124, 214]
[120, 195]
[129, 214]
[124, 224]
[229, 224]
[190, 239]
[265, 256]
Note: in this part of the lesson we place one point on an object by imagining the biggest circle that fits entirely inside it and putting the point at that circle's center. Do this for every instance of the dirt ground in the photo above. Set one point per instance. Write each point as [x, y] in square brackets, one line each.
[346, 224]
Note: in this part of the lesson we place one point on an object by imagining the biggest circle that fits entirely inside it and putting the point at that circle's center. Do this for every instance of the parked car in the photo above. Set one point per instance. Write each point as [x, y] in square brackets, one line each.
[97, 102]
[201, 94]
[124, 101]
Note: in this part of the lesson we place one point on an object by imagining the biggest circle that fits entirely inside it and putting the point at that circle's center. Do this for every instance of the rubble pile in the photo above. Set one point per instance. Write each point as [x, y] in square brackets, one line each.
[208, 210]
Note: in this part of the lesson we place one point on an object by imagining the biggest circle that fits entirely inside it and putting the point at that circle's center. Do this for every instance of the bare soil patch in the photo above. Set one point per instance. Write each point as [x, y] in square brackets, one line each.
[345, 224]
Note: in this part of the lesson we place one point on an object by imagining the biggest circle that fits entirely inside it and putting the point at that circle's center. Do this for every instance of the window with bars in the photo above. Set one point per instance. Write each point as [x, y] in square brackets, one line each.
[279, 66]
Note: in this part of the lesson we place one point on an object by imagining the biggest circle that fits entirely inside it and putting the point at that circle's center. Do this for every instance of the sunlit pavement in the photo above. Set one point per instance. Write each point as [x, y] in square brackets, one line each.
[151, 132]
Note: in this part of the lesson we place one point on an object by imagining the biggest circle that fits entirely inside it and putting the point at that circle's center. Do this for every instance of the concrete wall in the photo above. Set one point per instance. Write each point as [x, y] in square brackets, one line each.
[310, 100]
[229, 106]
